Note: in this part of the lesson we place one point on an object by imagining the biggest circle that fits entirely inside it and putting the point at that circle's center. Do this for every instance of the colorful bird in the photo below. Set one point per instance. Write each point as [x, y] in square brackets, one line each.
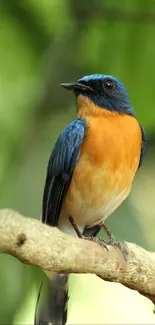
[91, 169]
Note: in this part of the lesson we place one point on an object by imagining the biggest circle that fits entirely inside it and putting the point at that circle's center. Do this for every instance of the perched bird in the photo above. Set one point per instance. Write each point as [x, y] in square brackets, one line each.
[91, 169]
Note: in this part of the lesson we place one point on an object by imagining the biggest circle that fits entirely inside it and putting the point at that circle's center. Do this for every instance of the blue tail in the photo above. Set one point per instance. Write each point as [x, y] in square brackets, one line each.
[51, 308]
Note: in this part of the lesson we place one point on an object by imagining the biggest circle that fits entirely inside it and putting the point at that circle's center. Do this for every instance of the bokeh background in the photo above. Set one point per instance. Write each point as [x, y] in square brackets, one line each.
[44, 43]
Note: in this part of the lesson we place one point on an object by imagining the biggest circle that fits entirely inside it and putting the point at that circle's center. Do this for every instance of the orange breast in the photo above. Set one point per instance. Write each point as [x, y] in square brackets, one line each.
[106, 168]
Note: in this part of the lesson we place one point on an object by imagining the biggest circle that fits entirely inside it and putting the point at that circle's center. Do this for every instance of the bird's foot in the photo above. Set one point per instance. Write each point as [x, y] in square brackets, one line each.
[99, 241]
[113, 242]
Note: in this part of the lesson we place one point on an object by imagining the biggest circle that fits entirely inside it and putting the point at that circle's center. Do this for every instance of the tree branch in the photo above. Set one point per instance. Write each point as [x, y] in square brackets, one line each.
[40, 245]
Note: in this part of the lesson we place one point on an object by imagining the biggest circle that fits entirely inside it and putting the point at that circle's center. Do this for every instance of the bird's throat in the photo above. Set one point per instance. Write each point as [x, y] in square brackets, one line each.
[86, 107]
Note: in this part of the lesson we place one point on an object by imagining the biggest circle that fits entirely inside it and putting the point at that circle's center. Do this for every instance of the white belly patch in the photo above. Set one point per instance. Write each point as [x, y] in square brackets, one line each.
[101, 214]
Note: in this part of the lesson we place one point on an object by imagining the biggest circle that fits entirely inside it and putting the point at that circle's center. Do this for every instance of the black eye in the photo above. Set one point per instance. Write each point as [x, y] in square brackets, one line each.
[108, 85]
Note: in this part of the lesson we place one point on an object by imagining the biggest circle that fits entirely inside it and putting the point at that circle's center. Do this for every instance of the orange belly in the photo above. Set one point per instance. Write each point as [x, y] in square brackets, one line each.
[106, 168]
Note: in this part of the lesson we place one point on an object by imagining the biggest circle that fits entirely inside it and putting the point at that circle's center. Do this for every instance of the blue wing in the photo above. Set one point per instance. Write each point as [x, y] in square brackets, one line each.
[61, 165]
[143, 147]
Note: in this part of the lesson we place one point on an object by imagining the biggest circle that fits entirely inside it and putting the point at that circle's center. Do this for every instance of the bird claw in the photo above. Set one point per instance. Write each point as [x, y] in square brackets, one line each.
[112, 241]
[115, 243]
[99, 241]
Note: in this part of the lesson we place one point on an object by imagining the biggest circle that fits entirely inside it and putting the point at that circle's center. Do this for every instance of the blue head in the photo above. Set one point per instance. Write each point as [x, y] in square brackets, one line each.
[105, 91]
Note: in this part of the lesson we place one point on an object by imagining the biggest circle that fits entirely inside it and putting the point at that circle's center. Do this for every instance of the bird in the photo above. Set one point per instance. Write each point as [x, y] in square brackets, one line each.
[90, 171]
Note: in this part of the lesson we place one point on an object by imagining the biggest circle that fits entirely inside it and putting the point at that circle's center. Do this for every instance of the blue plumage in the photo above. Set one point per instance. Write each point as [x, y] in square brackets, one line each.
[61, 164]
[143, 146]
[98, 76]
[114, 99]
[63, 156]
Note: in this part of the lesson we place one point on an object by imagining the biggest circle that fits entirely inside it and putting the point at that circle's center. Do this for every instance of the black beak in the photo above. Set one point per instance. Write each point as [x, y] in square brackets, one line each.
[77, 86]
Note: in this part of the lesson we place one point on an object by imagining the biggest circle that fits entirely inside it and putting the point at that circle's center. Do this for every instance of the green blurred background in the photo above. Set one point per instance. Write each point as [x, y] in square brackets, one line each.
[44, 43]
